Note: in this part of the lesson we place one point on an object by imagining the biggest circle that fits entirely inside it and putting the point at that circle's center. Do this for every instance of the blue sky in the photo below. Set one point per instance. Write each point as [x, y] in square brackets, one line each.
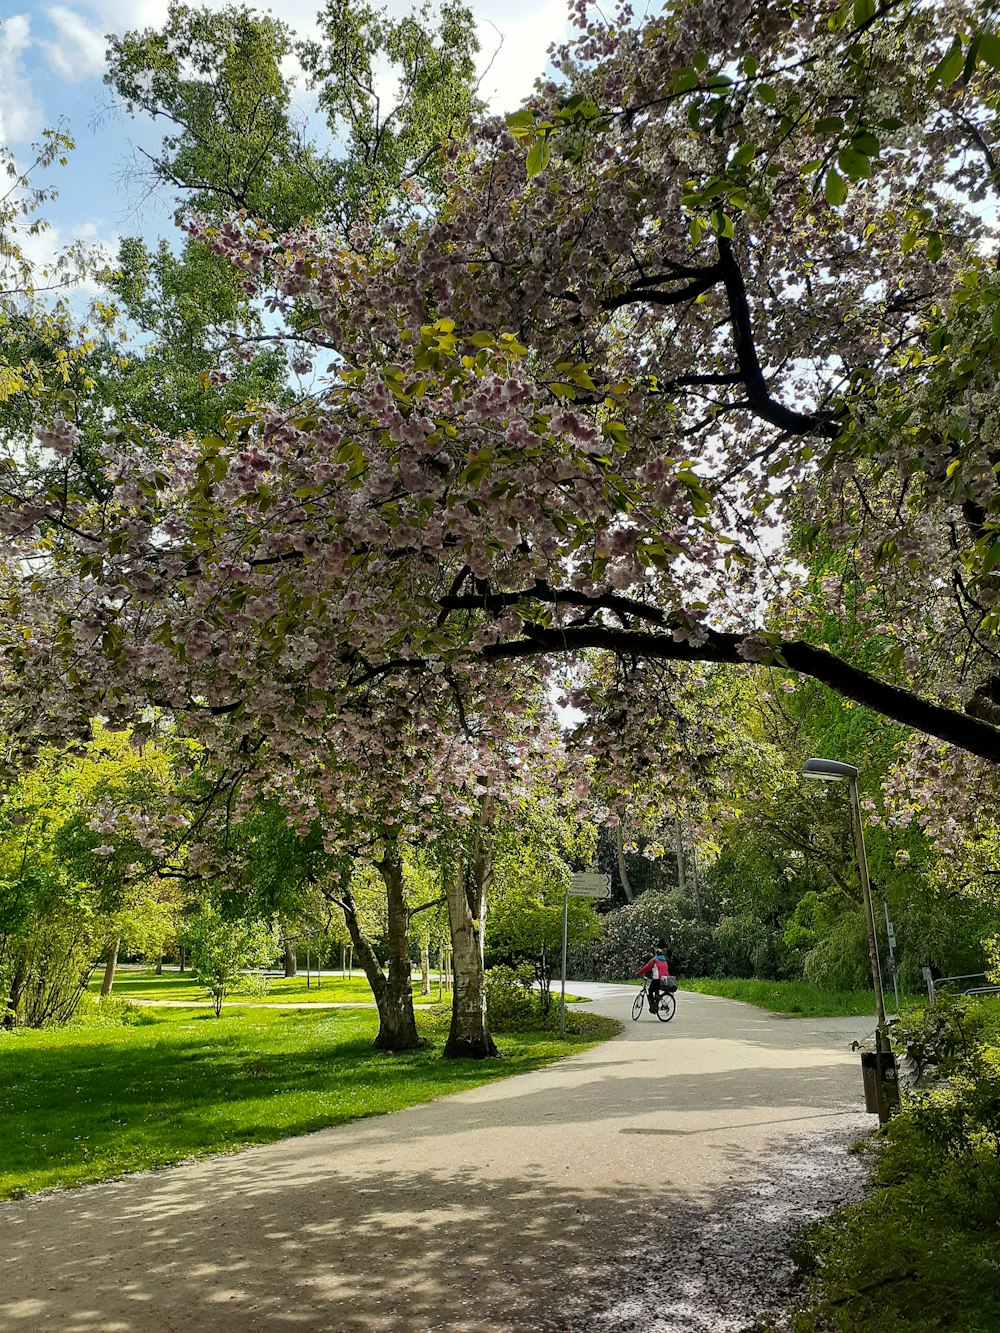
[51, 67]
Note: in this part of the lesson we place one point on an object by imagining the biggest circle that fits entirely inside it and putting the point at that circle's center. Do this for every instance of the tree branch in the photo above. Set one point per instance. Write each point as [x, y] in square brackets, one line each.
[903, 706]
[758, 395]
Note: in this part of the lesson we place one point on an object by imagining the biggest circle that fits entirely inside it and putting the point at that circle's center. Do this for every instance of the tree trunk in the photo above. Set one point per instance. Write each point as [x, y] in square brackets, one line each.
[398, 1024]
[466, 887]
[159, 964]
[622, 870]
[180, 957]
[289, 960]
[16, 989]
[425, 968]
[695, 885]
[110, 964]
[681, 878]
[373, 970]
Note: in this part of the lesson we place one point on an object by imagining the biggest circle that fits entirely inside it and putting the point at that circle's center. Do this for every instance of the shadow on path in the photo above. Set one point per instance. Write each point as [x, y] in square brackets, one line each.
[527, 1204]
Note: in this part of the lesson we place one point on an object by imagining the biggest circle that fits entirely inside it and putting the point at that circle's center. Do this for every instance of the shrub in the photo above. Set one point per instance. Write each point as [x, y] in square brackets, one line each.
[743, 946]
[630, 933]
[511, 1001]
[840, 960]
[922, 1252]
[112, 1012]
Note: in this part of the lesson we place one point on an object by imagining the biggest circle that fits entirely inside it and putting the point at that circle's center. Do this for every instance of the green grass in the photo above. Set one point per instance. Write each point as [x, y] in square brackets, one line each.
[146, 985]
[87, 1103]
[797, 998]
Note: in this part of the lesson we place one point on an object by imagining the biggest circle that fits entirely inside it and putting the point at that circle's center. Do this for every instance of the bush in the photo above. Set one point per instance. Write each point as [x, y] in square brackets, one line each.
[840, 961]
[630, 933]
[922, 1252]
[743, 946]
[511, 1000]
[92, 1011]
[943, 1036]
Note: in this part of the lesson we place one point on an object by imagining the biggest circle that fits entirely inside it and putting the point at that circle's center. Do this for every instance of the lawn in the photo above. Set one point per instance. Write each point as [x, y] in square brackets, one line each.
[146, 985]
[90, 1102]
[797, 998]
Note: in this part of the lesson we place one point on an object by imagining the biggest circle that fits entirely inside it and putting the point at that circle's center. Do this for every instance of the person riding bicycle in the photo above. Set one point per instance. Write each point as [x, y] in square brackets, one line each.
[658, 972]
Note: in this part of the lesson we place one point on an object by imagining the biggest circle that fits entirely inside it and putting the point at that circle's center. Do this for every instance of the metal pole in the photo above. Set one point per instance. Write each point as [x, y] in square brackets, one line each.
[866, 894]
[562, 1002]
[890, 937]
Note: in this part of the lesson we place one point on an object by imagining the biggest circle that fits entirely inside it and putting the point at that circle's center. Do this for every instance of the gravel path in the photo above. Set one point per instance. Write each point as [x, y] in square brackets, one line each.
[648, 1183]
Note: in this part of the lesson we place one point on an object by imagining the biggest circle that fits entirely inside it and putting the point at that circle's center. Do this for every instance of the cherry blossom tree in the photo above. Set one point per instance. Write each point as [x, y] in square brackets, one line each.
[690, 362]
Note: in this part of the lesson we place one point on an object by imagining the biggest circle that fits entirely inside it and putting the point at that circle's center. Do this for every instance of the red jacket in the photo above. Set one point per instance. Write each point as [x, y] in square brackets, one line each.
[658, 967]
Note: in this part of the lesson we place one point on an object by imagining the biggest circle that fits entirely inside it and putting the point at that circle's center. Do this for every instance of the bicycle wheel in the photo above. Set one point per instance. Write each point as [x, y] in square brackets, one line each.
[638, 1003]
[665, 1009]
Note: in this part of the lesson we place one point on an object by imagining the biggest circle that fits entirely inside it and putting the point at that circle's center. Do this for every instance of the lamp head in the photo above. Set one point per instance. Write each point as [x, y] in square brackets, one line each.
[828, 770]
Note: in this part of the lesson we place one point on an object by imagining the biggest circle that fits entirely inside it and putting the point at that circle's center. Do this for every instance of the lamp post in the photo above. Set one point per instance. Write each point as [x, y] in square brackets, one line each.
[831, 770]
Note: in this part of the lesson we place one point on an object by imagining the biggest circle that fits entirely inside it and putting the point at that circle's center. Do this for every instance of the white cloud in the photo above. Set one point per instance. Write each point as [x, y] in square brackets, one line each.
[527, 30]
[20, 112]
[78, 50]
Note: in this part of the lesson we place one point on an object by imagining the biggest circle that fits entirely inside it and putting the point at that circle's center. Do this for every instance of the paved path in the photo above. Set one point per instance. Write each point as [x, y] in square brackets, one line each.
[510, 1207]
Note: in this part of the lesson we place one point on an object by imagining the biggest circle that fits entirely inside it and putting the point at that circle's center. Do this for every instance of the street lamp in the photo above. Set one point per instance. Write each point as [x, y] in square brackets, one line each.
[831, 770]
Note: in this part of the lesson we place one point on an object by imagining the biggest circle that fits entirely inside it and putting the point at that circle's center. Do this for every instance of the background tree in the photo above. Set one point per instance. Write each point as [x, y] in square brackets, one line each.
[226, 952]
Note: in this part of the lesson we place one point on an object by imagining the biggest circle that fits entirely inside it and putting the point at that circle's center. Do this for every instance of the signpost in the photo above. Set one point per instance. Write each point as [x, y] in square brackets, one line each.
[891, 937]
[581, 885]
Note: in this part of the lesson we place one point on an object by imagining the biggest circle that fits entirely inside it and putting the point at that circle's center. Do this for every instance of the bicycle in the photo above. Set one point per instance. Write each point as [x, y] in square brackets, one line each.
[666, 1004]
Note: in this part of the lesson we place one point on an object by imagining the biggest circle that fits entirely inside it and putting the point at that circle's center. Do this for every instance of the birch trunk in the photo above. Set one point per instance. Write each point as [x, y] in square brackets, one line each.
[425, 968]
[622, 869]
[110, 964]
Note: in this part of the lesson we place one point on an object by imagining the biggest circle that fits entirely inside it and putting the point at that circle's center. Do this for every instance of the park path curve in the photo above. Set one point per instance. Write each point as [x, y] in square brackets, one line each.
[522, 1205]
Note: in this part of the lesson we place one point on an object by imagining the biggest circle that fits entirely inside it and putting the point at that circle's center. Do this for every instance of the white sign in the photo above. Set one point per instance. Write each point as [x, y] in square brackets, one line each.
[589, 886]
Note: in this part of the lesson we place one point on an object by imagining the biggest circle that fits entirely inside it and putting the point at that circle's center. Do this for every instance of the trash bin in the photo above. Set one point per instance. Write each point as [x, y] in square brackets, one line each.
[881, 1082]
[888, 1079]
[869, 1076]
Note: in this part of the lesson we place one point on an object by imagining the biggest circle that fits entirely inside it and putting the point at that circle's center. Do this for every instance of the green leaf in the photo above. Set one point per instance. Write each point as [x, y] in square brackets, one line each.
[865, 142]
[864, 12]
[520, 120]
[854, 165]
[743, 155]
[538, 157]
[722, 224]
[992, 558]
[972, 55]
[995, 323]
[948, 69]
[935, 246]
[989, 49]
[829, 125]
[836, 188]
[767, 94]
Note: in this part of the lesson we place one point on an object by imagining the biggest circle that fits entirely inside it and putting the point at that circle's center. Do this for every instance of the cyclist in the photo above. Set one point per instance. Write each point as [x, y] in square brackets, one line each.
[659, 971]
